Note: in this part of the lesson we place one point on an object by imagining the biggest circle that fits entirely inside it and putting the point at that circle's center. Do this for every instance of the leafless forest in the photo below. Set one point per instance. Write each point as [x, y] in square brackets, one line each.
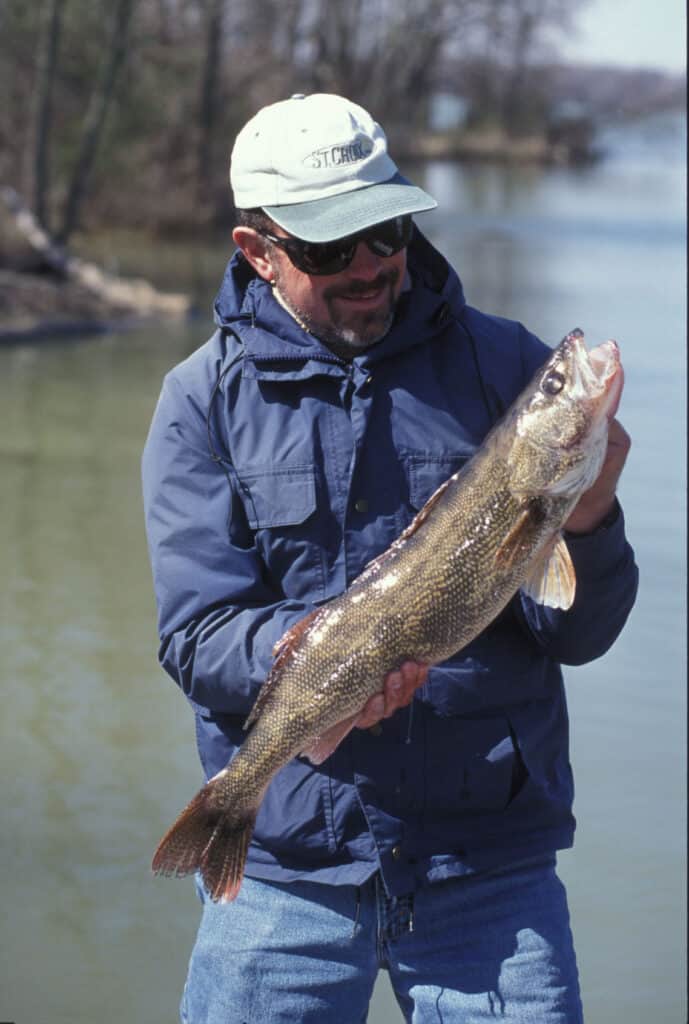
[123, 111]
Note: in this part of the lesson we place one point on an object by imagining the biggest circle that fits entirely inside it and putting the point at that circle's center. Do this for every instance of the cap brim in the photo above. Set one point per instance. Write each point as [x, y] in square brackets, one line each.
[326, 220]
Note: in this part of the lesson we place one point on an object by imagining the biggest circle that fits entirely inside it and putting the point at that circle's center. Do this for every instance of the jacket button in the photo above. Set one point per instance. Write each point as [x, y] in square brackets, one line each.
[361, 505]
[396, 852]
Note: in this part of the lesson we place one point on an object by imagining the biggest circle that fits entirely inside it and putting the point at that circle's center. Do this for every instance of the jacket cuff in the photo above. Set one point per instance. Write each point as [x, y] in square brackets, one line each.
[596, 553]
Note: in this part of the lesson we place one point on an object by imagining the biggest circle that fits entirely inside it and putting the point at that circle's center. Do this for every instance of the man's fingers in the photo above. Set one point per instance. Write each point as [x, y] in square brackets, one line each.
[595, 503]
[400, 685]
[619, 443]
[372, 712]
[398, 691]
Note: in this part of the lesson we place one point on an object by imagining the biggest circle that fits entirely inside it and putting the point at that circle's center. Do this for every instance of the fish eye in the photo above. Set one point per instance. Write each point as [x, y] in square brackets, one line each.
[553, 383]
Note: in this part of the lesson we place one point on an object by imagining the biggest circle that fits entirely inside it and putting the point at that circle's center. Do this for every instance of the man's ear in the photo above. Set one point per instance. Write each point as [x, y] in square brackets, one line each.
[255, 250]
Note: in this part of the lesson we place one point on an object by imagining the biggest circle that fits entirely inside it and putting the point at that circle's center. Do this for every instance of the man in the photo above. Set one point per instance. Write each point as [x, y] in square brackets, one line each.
[346, 380]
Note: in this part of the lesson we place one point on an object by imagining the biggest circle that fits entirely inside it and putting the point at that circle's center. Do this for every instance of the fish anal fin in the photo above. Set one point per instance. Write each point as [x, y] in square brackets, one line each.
[552, 580]
[320, 749]
[378, 564]
[283, 651]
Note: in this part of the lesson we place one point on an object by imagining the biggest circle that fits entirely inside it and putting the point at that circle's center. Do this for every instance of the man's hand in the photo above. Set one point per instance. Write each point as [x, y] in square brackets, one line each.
[398, 691]
[594, 504]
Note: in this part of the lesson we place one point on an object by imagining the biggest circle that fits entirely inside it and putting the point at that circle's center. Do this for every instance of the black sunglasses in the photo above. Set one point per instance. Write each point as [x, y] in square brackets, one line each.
[331, 257]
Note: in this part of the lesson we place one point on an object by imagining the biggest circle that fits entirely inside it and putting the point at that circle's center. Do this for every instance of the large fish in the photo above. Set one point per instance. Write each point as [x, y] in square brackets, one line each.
[492, 528]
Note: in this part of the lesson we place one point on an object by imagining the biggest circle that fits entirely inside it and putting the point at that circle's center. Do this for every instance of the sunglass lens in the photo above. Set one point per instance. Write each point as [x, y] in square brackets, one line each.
[388, 238]
[326, 257]
[333, 257]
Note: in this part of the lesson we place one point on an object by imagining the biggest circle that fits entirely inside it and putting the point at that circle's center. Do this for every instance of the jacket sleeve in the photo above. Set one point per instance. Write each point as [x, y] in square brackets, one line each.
[606, 579]
[606, 587]
[218, 616]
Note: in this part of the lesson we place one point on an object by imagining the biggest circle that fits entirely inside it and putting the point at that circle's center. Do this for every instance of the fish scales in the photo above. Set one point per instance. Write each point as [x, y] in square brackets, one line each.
[478, 539]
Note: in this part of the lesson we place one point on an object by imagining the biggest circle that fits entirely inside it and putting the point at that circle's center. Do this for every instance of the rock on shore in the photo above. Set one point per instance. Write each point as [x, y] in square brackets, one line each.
[45, 291]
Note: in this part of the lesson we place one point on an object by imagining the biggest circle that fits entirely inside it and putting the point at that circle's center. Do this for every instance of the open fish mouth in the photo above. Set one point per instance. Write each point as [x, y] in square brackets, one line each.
[598, 373]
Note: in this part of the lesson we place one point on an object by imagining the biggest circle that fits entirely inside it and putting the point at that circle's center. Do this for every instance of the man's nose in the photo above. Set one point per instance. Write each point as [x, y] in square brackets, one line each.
[365, 263]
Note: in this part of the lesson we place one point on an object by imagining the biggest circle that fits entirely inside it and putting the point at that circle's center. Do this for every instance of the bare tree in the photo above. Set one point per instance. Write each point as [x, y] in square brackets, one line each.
[200, 68]
[502, 60]
[45, 88]
[209, 96]
[95, 117]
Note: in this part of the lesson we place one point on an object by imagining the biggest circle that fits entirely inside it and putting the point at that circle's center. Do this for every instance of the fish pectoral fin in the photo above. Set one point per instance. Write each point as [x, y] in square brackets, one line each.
[320, 749]
[552, 580]
[521, 538]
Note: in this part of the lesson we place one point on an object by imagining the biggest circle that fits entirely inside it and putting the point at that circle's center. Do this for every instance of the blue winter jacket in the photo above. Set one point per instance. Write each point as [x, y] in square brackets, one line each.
[273, 472]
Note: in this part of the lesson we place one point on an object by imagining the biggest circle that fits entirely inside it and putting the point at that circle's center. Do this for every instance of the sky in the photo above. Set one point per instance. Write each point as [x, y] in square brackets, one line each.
[636, 33]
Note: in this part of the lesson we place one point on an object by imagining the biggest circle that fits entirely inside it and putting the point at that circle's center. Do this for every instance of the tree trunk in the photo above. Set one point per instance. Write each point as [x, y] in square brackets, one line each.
[95, 117]
[47, 66]
[209, 95]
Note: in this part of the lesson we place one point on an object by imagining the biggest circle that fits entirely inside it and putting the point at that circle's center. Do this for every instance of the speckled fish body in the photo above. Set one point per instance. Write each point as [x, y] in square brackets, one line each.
[492, 528]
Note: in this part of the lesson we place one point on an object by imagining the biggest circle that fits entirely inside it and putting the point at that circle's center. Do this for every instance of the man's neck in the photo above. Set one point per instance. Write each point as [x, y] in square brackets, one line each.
[285, 305]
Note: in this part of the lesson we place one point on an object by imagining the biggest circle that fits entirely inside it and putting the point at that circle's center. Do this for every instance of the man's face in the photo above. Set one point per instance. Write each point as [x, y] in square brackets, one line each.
[348, 311]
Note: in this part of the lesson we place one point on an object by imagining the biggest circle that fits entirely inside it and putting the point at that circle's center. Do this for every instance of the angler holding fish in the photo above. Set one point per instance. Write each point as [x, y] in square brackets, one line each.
[379, 521]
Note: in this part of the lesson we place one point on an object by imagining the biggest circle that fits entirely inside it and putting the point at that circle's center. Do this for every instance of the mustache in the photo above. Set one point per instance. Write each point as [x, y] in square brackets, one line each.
[357, 287]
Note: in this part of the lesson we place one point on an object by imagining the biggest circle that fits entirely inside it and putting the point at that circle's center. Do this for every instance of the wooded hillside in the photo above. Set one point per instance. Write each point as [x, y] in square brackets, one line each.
[124, 111]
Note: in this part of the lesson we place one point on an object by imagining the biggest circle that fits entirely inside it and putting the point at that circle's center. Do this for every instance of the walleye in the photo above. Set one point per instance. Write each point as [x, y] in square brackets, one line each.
[492, 528]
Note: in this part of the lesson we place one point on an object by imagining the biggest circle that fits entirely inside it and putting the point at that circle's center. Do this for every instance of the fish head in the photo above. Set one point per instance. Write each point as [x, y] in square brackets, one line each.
[560, 422]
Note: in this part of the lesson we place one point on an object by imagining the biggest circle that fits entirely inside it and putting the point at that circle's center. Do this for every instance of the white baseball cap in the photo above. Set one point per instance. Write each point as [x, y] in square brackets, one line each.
[319, 167]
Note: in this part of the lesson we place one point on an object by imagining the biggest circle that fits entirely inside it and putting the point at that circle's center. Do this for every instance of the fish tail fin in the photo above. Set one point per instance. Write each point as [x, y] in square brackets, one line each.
[210, 837]
[223, 860]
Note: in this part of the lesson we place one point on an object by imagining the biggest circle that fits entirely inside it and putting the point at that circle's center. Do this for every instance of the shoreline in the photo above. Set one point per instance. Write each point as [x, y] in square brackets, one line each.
[493, 146]
[47, 294]
[45, 291]
[39, 306]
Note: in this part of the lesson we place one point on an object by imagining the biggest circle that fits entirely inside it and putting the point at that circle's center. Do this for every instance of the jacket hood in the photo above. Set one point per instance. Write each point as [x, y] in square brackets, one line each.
[246, 299]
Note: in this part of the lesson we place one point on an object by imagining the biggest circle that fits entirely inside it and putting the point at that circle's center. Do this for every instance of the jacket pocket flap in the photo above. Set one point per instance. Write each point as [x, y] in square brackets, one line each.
[427, 472]
[279, 496]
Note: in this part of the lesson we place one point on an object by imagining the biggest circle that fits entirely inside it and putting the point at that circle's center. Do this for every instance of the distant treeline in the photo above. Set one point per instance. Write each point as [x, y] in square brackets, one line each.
[123, 111]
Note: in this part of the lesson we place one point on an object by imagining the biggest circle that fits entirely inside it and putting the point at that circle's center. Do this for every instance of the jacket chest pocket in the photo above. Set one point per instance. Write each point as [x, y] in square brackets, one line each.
[281, 508]
[425, 473]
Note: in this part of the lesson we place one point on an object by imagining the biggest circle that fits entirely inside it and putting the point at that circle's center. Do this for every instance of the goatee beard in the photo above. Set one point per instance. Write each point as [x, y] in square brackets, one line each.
[345, 341]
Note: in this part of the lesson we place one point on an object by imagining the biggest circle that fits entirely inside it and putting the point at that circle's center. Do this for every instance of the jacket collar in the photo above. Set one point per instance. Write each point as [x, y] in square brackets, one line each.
[277, 347]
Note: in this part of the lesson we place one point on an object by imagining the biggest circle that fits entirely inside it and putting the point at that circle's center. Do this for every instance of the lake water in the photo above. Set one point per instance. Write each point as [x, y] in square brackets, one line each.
[96, 745]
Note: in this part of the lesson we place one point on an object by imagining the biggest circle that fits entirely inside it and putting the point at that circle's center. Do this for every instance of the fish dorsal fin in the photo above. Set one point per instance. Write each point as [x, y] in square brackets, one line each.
[552, 580]
[283, 651]
[290, 640]
[423, 513]
[377, 564]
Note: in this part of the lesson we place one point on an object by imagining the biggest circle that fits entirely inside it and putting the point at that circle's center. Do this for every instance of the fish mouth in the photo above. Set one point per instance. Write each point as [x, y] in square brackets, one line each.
[598, 372]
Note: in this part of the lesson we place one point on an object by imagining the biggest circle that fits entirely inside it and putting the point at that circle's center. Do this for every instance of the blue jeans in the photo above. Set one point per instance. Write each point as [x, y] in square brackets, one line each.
[481, 948]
